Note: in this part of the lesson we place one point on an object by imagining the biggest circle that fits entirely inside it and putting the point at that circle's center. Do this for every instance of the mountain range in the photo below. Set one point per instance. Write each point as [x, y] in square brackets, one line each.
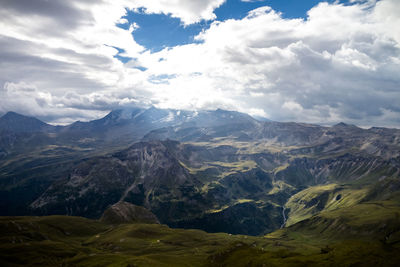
[218, 171]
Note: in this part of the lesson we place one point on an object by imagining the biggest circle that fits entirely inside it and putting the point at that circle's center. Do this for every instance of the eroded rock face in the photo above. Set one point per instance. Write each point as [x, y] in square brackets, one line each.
[124, 212]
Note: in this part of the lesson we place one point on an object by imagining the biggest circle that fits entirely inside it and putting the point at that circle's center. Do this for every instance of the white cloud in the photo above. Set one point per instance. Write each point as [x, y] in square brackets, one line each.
[188, 11]
[68, 47]
[292, 106]
[340, 64]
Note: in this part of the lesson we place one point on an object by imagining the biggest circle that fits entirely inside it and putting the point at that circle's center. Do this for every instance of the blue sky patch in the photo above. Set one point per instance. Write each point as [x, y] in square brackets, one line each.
[158, 31]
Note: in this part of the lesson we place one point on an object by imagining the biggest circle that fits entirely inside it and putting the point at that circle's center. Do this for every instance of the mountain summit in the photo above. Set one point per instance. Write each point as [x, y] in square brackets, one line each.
[15, 122]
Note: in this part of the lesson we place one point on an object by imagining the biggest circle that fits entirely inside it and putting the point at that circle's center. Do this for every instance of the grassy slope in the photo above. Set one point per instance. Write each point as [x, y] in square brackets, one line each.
[360, 235]
[315, 199]
[364, 234]
[75, 241]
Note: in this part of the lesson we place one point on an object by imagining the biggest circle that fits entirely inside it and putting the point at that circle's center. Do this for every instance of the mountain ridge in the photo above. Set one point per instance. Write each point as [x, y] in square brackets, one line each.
[202, 170]
[15, 122]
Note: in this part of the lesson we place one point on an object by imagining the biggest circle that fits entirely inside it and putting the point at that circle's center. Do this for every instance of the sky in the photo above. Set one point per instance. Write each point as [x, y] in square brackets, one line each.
[310, 61]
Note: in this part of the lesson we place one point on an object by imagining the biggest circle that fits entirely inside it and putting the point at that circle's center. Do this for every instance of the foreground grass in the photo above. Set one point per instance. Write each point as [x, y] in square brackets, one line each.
[362, 235]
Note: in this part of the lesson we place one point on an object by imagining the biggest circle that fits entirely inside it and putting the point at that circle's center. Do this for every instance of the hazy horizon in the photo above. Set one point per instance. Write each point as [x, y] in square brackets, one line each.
[259, 118]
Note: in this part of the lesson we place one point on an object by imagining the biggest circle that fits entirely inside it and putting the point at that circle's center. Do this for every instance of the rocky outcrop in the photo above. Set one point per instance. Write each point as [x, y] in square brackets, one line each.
[124, 212]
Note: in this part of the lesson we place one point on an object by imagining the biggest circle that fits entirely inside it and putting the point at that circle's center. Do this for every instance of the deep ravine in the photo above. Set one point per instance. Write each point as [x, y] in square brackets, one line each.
[284, 218]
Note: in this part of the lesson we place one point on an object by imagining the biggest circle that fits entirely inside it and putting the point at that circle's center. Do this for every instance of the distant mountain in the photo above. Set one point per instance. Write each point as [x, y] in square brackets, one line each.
[120, 128]
[19, 134]
[14, 122]
[133, 124]
[260, 118]
[128, 125]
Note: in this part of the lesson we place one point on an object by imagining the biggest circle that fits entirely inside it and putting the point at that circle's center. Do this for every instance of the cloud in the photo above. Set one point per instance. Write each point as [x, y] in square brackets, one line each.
[188, 11]
[69, 48]
[341, 63]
